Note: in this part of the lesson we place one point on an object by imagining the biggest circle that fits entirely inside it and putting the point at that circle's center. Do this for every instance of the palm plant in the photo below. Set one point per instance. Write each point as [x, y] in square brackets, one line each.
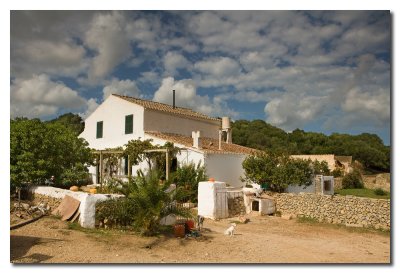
[153, 201]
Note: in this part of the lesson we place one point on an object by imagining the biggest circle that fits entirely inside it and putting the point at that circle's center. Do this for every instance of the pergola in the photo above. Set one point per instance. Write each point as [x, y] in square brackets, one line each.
[104, 152]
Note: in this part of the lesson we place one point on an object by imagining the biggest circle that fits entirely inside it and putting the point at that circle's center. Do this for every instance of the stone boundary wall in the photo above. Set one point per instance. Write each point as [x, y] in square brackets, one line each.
[345, 210]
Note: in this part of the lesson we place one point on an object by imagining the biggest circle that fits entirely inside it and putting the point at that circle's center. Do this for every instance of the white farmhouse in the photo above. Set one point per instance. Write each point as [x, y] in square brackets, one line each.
[120, 119]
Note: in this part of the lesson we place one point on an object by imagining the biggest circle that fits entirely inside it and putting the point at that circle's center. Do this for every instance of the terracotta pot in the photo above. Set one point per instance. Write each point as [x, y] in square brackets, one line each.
[93, 191]
[179, 230]
[190, 224]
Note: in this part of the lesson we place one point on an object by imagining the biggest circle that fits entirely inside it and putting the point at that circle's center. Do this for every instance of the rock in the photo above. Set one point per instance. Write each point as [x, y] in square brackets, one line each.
[25, 206]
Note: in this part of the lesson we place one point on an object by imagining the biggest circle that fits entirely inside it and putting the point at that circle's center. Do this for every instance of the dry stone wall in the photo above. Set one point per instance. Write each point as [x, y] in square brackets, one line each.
[345, 210]
[37, 199]
[236, 204]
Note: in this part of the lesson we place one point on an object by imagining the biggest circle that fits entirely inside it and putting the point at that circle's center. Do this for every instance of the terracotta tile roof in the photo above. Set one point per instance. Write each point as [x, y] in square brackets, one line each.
[166, 108]
[208, 145]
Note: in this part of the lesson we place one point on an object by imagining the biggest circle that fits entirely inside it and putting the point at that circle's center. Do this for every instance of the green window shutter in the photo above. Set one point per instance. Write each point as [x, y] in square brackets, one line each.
[99, 131]
[129, 124]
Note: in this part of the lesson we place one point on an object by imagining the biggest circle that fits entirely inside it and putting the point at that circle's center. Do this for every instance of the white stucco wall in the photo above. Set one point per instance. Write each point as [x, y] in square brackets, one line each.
[112, 112]
[225, 167]
[87, 207]
[168, 123]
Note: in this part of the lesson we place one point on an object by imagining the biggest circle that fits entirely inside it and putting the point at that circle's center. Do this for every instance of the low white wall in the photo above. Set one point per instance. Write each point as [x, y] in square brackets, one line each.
[88, 201]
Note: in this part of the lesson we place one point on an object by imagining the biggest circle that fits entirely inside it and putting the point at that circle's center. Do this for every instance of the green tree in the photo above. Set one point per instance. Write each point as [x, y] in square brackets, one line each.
[39, 150]
[277, 170]
[72, 121]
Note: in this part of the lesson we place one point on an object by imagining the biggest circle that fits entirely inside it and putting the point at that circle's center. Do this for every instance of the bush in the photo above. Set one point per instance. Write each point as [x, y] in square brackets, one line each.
[187, 178]
[337, 173]
[146, 203]
[380, 191]
[116, 212]
[353, 180]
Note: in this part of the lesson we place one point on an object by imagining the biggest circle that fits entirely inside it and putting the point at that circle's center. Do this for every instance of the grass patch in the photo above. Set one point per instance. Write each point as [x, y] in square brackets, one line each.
[314, 222]
[307, 220]
[363, 193]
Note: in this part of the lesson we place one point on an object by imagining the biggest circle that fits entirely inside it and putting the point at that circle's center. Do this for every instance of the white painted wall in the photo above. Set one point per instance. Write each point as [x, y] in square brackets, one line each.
[169, 123]
[112, 112]
[87, 207]
[225, 167]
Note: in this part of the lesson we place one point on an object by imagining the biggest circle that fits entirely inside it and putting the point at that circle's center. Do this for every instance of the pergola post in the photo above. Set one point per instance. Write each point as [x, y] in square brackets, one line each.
[129, 166]
[167, 164]
[101, 169]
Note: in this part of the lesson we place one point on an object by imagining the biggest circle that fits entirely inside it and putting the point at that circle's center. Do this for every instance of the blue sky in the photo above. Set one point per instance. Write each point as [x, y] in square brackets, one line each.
[322, 71]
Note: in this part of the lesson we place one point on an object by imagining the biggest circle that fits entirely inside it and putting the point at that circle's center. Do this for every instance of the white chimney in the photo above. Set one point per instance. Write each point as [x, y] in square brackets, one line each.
[226, 127]
[219, 139]
[196, 139]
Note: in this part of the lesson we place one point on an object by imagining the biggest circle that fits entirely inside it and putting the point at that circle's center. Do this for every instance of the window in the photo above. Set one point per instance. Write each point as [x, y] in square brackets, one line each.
[99, 131]
[129, 124]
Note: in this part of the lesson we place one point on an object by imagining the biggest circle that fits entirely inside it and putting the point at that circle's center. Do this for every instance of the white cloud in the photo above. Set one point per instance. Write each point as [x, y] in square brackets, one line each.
[291, 111]
[174, 61]
[41, 56]
[218, 67]
[369, 106]
[121, 87]
[91, 107]
[108, 38]
[186, 96]
[41, 97]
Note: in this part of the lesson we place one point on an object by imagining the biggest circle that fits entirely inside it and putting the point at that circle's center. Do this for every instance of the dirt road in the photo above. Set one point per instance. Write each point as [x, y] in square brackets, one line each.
[262, 240]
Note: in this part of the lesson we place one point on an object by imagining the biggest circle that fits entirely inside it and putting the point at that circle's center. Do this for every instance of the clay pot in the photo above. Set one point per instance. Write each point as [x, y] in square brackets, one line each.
[179, 230]
[211, 179]
[93, 191]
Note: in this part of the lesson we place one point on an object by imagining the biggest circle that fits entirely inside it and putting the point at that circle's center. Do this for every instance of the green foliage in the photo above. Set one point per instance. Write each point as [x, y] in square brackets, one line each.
[39, 150]
[320, 167]
[366, 148]
[187, 178]
[353, 180]
[362, 193]
[277, 170]
[146, 203]
[118, 212]
[337, 173]
[76, 176]
[380, 191]
[135, 149]
[72, 121]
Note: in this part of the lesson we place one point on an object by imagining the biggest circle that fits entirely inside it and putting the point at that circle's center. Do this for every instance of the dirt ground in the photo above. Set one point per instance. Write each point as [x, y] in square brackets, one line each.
[265, 239]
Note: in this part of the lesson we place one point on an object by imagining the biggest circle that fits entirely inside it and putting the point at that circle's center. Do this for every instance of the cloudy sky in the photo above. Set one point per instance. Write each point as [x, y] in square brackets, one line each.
[317, 71]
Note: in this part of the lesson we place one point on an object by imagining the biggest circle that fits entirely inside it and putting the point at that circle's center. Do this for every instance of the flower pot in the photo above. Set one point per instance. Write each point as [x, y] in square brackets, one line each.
[190, 224]
[179, 230]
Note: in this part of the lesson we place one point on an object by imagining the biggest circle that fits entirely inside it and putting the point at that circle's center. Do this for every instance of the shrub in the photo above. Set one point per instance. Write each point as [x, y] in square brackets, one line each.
[117, 212]
[380, 191]
[146, 203]
[353, 180]
[337, 173]
[187, 178]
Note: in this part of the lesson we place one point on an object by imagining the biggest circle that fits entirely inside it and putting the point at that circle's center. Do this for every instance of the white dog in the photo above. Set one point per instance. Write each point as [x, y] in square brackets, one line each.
[231, 230]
